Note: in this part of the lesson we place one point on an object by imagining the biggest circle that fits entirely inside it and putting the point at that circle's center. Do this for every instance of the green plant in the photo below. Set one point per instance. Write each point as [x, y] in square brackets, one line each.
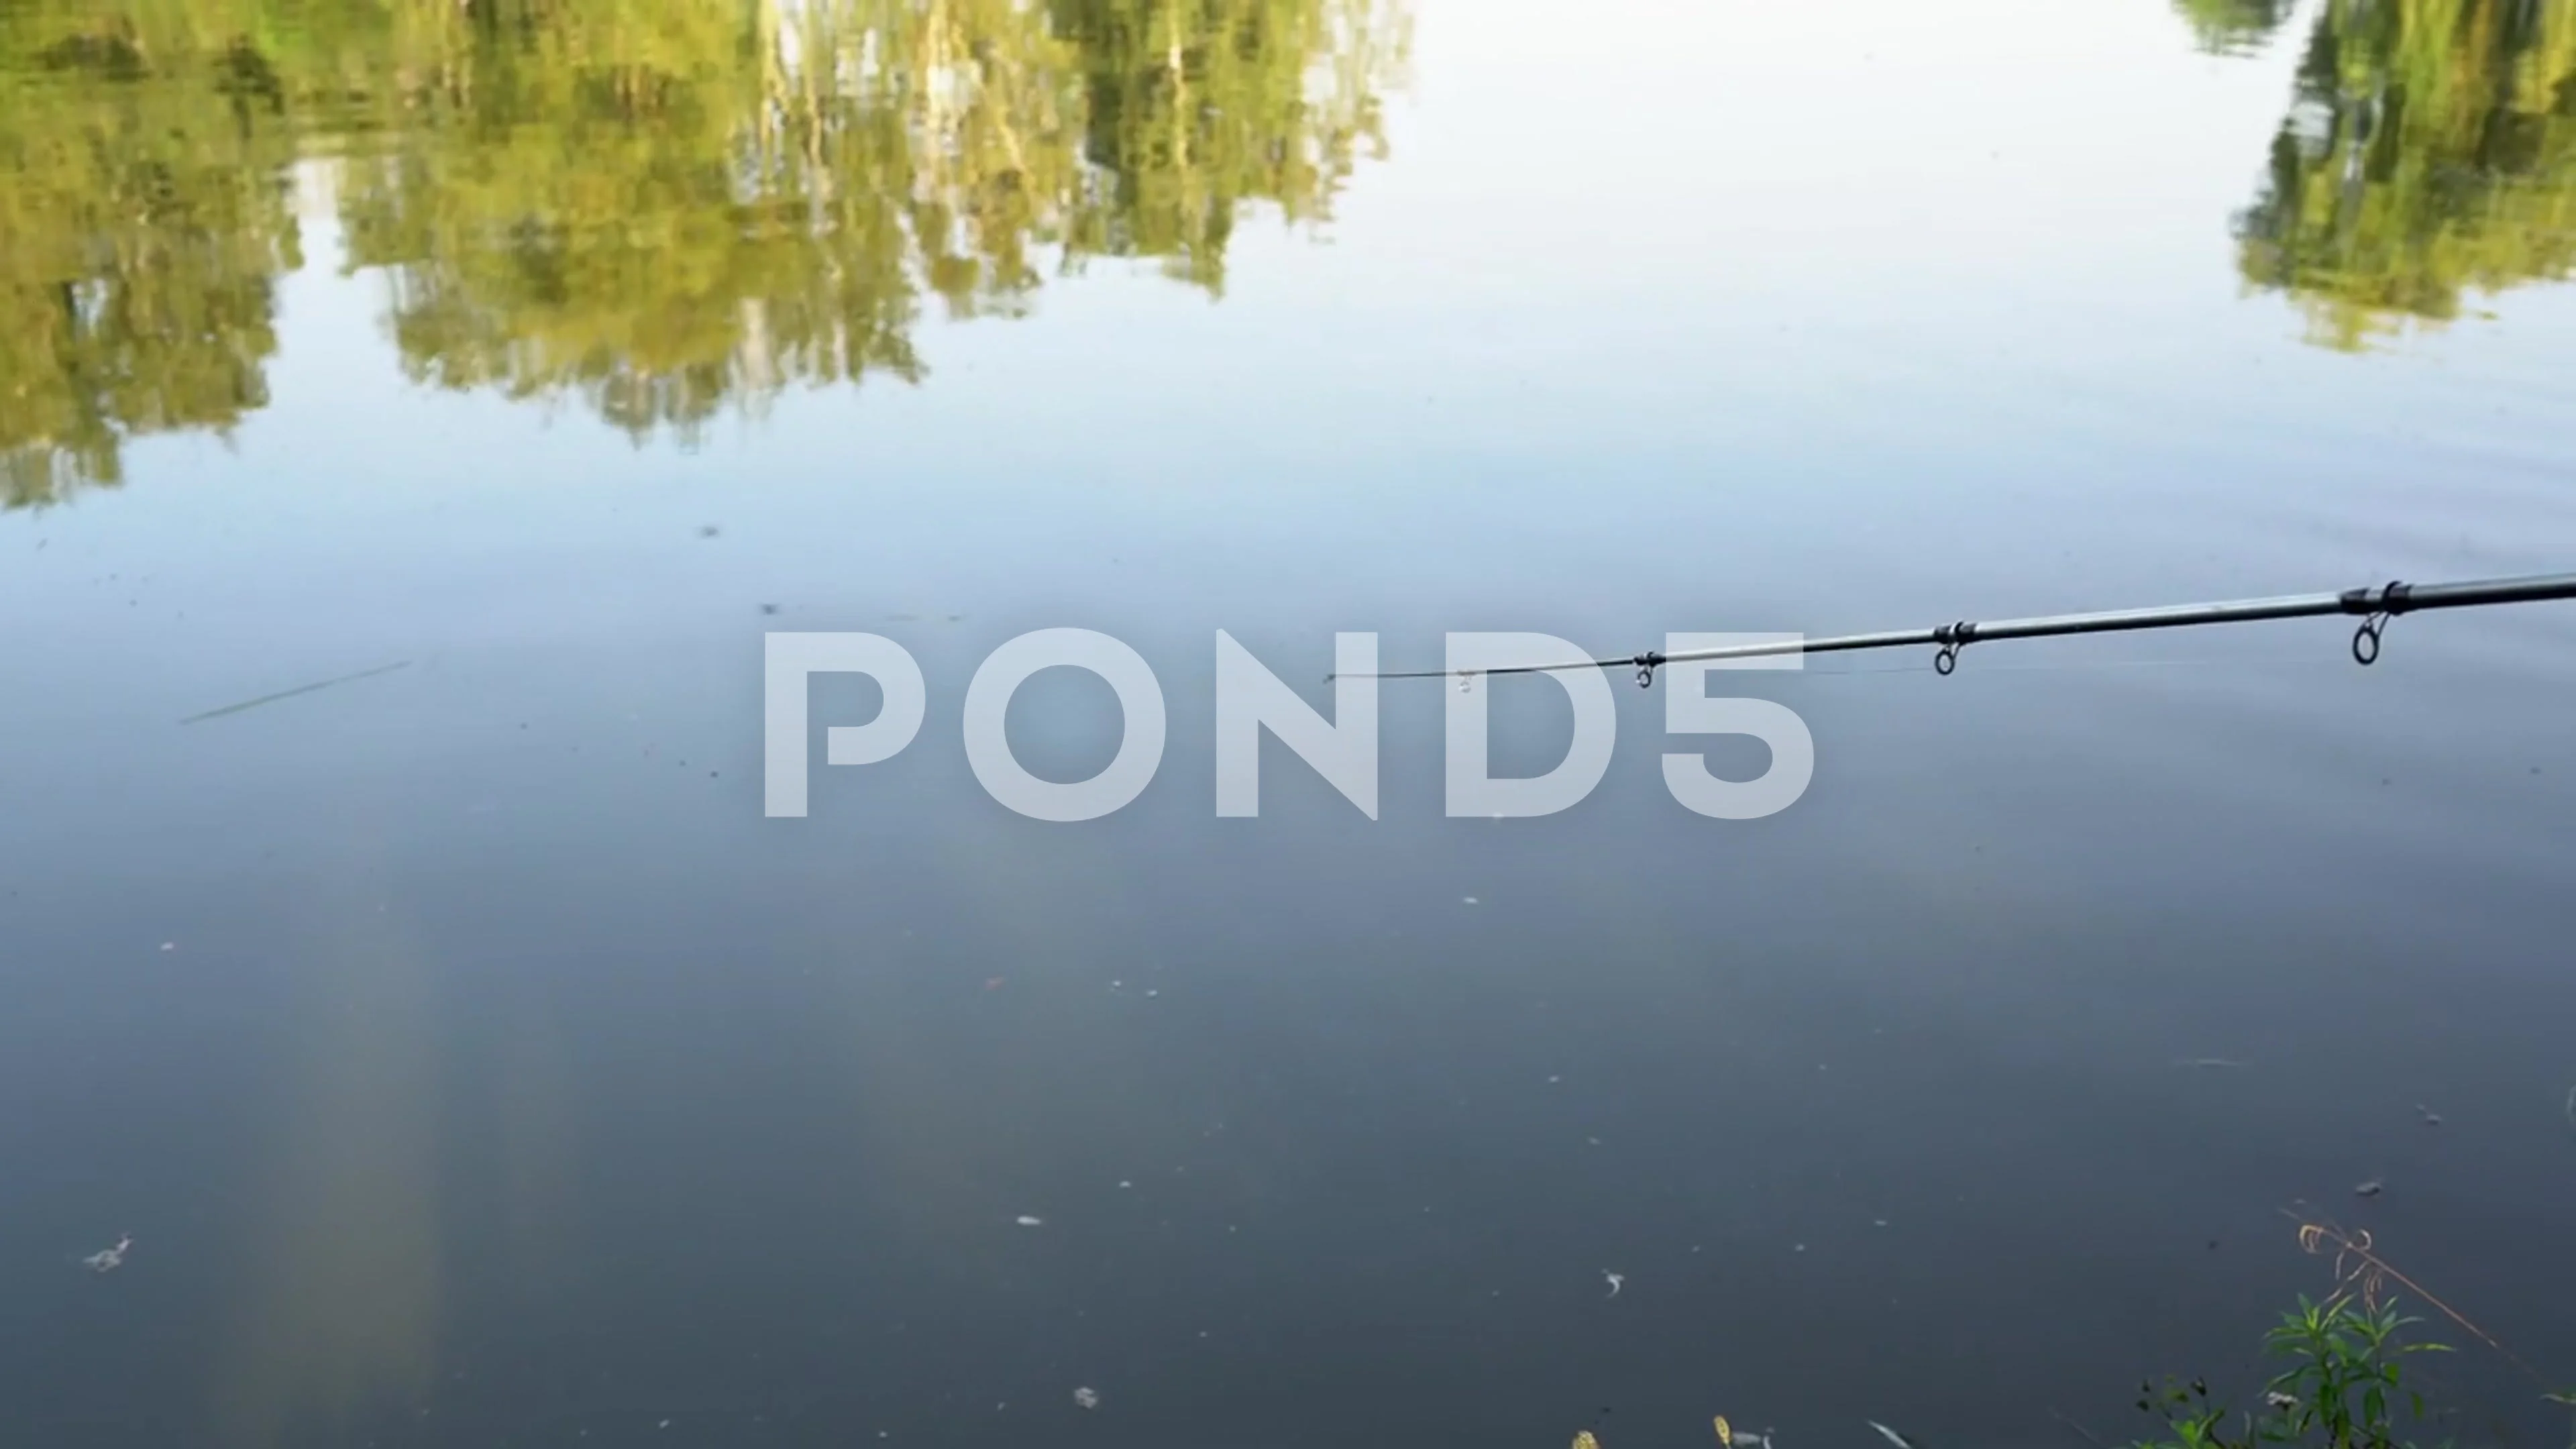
[2190, 1417]
[2345, 1376]
[2344, 1388]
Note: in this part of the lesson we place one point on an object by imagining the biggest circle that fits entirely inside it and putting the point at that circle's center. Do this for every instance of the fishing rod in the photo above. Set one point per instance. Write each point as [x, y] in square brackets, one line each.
[2374, 606]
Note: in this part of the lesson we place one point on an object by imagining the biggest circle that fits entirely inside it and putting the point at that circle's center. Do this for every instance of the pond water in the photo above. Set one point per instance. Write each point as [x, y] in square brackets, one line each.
[472, 1062]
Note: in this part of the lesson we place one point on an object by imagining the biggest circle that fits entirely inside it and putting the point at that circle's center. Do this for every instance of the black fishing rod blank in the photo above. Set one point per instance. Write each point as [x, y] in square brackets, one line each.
[2375, 606]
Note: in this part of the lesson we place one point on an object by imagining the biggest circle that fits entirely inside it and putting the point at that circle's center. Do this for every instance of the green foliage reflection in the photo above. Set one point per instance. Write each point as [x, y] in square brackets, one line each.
[146, 223]
[2233, 27]
[2430, 150]
[663, 208]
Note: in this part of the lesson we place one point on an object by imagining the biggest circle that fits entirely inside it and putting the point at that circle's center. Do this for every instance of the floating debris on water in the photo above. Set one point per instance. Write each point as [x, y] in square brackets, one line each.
[292, 693]
[1467, 900]
[1087, 1398]
[1030, 1220]
[1890, 1435]
[2431, 1117]
[1583, 1439]
[1615, 1280]
[1732, 1437]
[2209, 1063]
[108, 1260]
[2372, 1188]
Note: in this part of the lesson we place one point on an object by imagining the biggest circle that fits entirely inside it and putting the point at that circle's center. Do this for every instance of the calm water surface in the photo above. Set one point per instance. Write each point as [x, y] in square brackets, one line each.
[473, 1064]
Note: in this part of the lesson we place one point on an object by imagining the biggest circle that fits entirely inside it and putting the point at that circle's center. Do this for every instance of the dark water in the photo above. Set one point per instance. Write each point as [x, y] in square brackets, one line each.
[473, 1064]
